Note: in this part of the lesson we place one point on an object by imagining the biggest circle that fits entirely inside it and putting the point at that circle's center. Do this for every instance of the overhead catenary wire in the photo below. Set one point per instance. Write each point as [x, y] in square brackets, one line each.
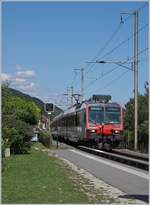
[121, 43]
[105, 45]
[112, 36]
[124, 41]
[110, 71]
[116, 47]
[75, 75]
[90, 66]
[119, 77]
[115, 80]
[102, 49]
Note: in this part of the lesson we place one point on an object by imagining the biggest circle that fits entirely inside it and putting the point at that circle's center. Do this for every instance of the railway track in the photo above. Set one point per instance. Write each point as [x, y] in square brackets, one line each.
[132, 154]
[130, 158]
[126, 158]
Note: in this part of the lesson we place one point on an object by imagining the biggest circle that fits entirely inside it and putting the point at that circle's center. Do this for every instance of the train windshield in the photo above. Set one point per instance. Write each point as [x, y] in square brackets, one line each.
[98, 115]
[112, 115]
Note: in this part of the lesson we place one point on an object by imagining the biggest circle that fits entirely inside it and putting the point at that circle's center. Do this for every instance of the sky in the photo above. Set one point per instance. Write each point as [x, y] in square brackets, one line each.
[43, 42]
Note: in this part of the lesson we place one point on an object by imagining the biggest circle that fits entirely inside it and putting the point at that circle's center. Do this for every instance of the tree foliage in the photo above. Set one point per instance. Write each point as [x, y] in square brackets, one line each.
[142, 119]
[25, 111]
[18, 118]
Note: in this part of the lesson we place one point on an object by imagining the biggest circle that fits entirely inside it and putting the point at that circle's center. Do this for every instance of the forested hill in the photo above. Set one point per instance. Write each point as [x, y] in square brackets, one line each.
[37, 101]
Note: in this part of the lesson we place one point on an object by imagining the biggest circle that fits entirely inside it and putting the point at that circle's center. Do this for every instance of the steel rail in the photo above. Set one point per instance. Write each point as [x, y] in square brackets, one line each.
[131, 161]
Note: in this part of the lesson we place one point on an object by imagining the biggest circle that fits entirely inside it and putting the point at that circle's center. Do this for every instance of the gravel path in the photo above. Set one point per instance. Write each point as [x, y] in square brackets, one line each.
[98, 191]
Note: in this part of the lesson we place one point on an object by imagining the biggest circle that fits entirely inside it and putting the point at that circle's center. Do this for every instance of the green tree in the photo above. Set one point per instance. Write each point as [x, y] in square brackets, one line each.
[25, 110]
[142, 120]
[18, 118]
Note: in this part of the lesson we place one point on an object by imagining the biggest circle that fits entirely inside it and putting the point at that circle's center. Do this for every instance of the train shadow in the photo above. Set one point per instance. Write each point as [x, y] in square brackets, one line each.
[141, 197]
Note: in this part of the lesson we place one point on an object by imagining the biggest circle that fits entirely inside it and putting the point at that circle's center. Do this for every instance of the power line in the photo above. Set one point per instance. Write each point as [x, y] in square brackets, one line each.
[142, 7]
[116, 79]
[75, 75]
[126, 40]
[105, 45]
[119, 77]
[123, 42]
[98, 78]
[112, 36]
[116, 47]
[110, 39]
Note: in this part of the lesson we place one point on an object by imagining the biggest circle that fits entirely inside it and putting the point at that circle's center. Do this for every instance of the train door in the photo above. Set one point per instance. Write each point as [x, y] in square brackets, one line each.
[77, 125]
[82, 124]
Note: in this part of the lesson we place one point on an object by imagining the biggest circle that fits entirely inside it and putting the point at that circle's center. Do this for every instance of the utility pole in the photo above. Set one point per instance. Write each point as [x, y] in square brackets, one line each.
[136, 80]
[135, 13]
[67, 96]
[82, 82]
[71, 95]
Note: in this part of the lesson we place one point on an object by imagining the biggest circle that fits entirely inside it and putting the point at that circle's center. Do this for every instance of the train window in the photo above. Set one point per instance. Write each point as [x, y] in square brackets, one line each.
[68, 121]
[112, 115]
[96, 108]
[77, 119]
[73, 120]
[112, 109]
[96, 114]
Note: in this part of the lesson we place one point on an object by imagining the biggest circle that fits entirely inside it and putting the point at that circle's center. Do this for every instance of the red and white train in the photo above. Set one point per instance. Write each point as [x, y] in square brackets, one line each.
[96, 122]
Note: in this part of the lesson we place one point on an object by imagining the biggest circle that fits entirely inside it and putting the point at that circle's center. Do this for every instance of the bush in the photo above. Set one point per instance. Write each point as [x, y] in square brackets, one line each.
[128, 139]
[44, 138]
[18, 117]
[22, 142]
[16, 134]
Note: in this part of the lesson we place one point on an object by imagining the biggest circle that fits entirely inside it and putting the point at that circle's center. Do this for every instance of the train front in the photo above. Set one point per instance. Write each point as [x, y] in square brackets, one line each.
[104, 122]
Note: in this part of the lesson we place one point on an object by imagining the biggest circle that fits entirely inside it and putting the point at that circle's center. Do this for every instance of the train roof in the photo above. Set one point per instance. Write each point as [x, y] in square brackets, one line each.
[80, 106]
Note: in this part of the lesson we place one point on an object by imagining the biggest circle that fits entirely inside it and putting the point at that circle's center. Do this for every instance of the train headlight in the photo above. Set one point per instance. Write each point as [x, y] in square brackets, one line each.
[117, 131]
[91, 130]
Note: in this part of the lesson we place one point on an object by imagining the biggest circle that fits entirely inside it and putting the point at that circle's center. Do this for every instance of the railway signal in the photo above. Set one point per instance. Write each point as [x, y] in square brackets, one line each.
[49, 107]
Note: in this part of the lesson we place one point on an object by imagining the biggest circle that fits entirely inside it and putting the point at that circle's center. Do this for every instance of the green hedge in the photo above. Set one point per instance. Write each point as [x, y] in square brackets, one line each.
[44, 138]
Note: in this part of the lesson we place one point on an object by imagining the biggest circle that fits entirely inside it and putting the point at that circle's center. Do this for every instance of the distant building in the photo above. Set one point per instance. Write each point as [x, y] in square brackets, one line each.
[42, 122]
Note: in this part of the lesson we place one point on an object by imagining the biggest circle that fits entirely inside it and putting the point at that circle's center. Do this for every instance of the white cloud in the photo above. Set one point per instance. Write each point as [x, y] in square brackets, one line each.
[25, 73]
[20, 80]
[6, 77]
[18, 67]
[27, 87]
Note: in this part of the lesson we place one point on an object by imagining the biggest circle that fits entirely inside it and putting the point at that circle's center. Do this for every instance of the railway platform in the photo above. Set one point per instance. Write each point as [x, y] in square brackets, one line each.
[132, 181]
[131, 153]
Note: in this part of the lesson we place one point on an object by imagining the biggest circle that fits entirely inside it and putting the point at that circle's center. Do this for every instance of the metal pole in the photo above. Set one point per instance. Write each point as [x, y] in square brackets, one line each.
[136, 80]
[67, 95]
[71, 95]
[57, 142]
[82, 84]
[50, 138]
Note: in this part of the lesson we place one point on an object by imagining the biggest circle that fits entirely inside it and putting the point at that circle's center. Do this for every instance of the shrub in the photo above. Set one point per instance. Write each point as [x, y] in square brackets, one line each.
[18, 117]
[44, 138]
[16, 134]
[22, 142]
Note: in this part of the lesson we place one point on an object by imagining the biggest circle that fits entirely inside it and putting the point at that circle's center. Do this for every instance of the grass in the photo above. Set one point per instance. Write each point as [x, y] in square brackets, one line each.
[37, 178]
